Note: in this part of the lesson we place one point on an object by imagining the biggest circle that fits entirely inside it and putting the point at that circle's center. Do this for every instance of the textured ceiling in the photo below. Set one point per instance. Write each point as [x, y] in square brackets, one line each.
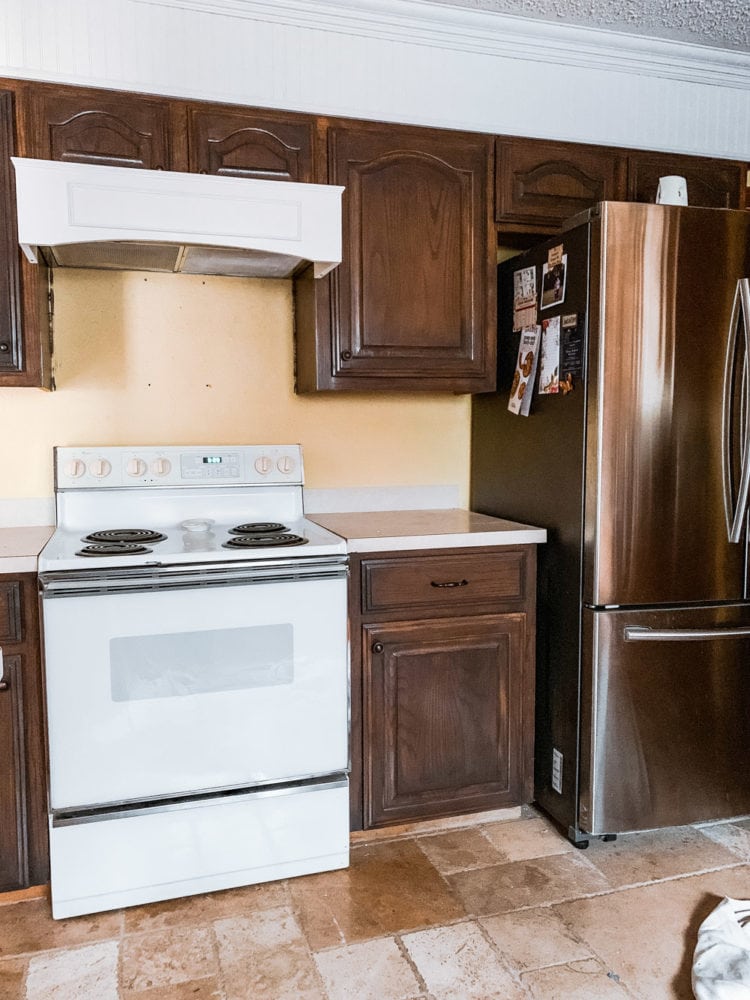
[722, 23]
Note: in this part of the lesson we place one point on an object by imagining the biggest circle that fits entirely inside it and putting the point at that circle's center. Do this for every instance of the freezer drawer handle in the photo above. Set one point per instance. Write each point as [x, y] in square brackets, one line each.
[641, 633]
[735, 518]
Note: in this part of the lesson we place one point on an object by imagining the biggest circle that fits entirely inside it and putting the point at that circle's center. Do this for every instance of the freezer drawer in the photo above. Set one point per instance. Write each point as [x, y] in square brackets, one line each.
[665, 717]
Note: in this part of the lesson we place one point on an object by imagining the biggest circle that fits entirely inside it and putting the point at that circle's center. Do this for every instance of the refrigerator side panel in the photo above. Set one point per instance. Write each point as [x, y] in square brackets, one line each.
[531, 469]
[668, 698]
[657, 533]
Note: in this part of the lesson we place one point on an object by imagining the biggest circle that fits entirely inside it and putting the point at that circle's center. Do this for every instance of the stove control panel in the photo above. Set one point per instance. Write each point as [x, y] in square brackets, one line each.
[194, 465]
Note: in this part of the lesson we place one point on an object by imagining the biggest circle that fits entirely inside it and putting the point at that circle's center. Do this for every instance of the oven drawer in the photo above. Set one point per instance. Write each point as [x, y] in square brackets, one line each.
[443, 582]
[116, 860]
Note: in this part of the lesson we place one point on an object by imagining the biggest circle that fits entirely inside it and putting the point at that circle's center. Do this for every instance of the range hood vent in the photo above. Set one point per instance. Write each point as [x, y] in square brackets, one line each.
[119, 218]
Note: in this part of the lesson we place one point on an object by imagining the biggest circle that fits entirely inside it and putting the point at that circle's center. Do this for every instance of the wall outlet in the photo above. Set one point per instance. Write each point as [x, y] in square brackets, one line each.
[557, 771]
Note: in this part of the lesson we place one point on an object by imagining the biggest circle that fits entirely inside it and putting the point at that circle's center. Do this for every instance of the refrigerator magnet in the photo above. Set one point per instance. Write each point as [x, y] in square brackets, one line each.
[524, 298]
[523, 378]
[549, 360]
[553, 283]
[571, 361]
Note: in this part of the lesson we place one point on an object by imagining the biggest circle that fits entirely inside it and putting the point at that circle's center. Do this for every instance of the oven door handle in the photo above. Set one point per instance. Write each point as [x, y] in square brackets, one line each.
[142, 580]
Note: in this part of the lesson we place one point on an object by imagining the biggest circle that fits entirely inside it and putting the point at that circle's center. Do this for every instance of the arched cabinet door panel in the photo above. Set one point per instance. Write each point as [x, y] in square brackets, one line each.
[82, 125]
[246, 144]
[412, 305]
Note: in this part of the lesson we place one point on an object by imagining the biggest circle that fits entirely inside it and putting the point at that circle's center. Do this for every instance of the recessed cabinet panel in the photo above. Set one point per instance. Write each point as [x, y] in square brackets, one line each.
[443, 715]
[105, 127]
[540, 184]
[10, 612]
[11, 352]
[238, 144]
[710, 183]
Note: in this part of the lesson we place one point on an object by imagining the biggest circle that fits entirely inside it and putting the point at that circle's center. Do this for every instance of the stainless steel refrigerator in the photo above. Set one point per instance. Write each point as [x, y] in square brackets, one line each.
[640, 474]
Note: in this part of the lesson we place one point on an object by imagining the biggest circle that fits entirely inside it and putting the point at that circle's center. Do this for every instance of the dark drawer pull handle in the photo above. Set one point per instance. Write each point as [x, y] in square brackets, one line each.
[377, 647]
[450, 583]
[4, 685]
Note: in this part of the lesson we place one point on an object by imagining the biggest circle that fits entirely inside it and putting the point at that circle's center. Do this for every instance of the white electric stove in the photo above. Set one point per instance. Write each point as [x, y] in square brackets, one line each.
[196, 661]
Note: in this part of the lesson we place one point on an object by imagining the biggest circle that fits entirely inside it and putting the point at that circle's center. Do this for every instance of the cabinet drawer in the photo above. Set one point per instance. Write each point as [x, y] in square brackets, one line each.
[10, 612]
[447, 581]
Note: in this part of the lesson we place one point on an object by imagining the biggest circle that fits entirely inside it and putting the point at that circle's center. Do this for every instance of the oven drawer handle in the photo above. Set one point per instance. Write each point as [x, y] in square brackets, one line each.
[4, 685]
[450, 583]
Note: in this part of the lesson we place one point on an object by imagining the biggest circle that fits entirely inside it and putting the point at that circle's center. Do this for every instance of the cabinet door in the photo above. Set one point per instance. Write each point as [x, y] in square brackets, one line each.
[412, 305]
[13, 855]
[710, 183]
[444, 717]
[82, 125]
[24, 312]
[24, 850]
[540, 184]
[245, 144]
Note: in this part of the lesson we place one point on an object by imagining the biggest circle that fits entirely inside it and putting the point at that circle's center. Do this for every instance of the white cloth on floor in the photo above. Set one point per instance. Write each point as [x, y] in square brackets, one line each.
[721, 961]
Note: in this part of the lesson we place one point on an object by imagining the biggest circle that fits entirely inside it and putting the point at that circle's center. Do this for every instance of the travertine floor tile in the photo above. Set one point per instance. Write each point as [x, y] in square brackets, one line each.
[390, 887]
[643, 857]
[370, 970]
[502, 888]
[193, 989]
[12, 978]
[532, 939]
[166, 958]
[205, 908]
[28, 927]
[457, 963]
[586, 979]
[264, 956]
[459, 851]
[89, 972]
[734, 836]
[647, 935]
[523, 839]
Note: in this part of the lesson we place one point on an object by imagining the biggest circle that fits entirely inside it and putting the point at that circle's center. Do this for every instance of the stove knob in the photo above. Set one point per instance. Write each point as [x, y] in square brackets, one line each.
[75, 469]
[161, 467]
[286, 464]
[136, 467]
[100, 468]
[263, 465]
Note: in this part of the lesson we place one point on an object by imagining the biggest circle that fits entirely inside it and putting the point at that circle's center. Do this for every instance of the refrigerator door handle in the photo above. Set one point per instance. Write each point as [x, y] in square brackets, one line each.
[642, 633]
[735, 517]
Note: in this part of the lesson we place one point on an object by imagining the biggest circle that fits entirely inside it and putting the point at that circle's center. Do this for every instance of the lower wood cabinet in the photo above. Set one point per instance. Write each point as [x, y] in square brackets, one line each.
[24, 849]
[442, 683]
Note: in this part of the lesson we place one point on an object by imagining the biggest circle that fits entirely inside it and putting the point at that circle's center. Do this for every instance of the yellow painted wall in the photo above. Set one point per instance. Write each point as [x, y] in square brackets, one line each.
[183, 359]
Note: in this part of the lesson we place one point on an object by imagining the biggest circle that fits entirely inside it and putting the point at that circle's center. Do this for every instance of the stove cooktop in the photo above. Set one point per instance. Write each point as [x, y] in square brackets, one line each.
[164, 506]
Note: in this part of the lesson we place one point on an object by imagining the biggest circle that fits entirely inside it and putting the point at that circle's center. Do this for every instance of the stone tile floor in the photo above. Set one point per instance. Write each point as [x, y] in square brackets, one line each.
[491, 909]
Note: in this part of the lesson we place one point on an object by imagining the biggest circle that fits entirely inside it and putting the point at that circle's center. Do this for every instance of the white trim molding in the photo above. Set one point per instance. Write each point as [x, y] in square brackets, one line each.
[422, 22]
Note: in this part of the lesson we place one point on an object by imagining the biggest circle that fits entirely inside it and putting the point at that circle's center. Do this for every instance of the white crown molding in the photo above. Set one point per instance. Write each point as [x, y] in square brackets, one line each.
[422, 22]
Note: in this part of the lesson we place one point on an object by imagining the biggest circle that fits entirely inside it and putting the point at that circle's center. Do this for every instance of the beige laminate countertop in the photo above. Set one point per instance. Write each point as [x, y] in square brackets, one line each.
[393, 530]
[19, 548]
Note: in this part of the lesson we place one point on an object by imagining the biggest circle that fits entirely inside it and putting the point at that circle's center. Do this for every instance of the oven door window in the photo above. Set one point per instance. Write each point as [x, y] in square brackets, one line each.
[181, 664]
[167, 692]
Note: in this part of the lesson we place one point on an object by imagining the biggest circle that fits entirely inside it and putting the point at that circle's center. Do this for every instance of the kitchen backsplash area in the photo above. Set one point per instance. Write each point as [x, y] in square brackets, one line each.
[150, 358]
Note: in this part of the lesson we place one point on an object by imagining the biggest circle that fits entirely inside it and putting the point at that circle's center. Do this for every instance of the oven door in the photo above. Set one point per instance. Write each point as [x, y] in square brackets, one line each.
[162, 683]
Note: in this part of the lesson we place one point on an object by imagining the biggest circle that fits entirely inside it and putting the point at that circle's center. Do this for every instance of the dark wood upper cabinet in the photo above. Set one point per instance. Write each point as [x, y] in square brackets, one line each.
[83, 125]
[710, 183]
[540, 184]
[24, 311]
[245, 144]
[411, 307]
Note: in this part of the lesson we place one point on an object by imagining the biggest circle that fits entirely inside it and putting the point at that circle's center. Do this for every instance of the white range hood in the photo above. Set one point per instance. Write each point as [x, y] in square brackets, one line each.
[84, 215]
